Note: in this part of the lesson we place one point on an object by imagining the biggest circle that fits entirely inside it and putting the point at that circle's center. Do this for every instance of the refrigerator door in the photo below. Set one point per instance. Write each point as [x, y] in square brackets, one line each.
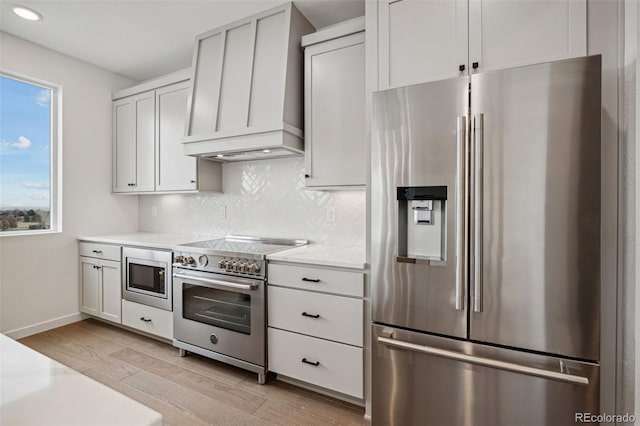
[418, 240]
[419, 379]
[535, 278]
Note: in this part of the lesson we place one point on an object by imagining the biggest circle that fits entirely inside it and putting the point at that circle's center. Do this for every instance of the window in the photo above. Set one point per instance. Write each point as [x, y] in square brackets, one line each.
[29, 155]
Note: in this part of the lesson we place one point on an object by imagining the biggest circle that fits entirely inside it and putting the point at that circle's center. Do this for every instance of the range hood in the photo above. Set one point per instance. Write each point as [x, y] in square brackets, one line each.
[247, 96]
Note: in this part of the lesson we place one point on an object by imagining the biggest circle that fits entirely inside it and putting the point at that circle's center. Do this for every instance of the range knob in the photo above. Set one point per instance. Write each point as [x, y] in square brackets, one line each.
[242, 267]
[234, 266]
[255, 268]
[189, 260]
[179, 259]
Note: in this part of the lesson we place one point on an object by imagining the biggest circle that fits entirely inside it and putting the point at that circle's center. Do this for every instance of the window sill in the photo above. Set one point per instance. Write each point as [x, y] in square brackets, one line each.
[34, 232]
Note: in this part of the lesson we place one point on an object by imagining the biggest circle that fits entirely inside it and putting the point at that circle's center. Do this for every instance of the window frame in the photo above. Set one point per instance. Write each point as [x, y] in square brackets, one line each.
[55, 155]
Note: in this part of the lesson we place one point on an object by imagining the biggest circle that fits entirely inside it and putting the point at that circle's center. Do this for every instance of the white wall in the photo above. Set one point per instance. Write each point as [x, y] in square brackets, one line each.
[262, 198]
[39, 273]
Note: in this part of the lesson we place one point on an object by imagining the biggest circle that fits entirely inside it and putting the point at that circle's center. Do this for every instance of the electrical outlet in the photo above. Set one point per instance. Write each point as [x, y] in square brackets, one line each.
[331, 214]
[154, 211]
[223, 212]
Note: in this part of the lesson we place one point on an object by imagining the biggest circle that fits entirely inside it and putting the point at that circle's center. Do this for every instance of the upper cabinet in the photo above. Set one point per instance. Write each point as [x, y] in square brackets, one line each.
[147, 132]
[133, 144]
[422, 41]
[246, 100]
[335, 106]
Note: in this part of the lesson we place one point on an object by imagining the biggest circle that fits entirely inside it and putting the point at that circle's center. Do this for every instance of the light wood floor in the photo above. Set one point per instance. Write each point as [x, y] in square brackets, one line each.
[187, 391]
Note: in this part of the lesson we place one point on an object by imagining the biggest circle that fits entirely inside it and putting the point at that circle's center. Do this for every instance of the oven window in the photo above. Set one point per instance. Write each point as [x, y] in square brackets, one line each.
[220, 308]
[147, 278]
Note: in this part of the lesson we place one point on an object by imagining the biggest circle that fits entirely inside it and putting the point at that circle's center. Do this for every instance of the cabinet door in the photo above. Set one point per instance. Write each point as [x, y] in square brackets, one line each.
[111, 291]
[89, 285]
[144, 110]
[174, 170]
[334, 112]
[507, 33]
[124, 142]
[421, 40]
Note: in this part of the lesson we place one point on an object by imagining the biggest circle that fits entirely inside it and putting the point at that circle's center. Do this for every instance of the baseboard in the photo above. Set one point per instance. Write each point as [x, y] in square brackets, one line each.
[45, 326]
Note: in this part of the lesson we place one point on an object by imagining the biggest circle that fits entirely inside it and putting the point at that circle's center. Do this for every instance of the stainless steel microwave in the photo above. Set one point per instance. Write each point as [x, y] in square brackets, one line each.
[147, 277]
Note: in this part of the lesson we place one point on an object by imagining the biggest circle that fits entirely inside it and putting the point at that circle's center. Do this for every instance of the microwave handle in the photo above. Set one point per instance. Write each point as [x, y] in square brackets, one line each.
[217, 282]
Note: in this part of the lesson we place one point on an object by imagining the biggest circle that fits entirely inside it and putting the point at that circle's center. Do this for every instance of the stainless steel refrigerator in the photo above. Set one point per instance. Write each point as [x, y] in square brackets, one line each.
[485, 262]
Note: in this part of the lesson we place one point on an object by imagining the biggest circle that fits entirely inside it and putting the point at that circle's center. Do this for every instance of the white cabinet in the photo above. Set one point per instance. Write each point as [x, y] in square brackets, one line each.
[246, 100]
[174, 170]
[101, 281]
[507, 33]
[158, 322]
[335, 106]
[422, 41]
[148, 153]
[133, 145]
[316, 327]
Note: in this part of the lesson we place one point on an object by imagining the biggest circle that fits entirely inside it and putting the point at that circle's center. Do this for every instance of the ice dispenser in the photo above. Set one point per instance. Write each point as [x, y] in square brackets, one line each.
[422, 224]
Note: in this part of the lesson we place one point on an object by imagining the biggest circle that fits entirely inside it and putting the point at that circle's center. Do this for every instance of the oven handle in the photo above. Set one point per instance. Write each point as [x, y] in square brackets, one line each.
[218, 282]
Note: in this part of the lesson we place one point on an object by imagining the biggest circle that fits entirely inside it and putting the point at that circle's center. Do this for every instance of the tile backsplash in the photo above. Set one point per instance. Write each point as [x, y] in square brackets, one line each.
[262, 198]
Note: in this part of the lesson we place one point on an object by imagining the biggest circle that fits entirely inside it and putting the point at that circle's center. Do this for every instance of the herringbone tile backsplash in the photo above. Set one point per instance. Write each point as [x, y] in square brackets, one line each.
[262, 198]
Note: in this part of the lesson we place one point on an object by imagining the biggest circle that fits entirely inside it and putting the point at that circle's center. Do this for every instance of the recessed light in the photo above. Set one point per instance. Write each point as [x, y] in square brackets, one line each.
[27, 14]
[220, 155]
[266, 151]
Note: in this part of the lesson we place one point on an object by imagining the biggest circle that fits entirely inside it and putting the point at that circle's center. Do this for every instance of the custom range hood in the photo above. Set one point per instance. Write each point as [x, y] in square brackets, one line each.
[247, 95]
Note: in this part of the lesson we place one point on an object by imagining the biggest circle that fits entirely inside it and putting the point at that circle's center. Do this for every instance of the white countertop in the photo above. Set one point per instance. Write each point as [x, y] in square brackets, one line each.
[146, 239]
[36, 390]
[327, 255]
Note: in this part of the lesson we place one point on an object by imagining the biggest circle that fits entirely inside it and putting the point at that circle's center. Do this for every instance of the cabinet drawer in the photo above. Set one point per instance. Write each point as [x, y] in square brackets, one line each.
[161, 323]
[339, 318]
[325, 280]
[100, 251]
[339, 366]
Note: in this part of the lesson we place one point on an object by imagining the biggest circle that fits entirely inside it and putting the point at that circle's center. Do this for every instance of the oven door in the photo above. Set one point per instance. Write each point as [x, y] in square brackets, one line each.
[220, 313]
[147, 277]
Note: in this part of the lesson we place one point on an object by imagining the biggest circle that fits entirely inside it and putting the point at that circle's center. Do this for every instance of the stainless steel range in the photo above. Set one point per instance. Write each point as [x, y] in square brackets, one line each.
[219, 299]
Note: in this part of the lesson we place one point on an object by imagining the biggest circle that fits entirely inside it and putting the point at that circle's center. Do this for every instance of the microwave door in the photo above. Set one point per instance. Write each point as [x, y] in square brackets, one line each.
[418, 206]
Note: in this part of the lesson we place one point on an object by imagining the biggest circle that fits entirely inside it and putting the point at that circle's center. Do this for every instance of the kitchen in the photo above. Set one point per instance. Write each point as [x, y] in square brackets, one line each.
[267, 197]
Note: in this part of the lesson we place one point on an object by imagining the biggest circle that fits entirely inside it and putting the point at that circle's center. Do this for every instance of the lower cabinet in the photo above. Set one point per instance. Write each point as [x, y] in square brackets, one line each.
[320, 362]
[101, 288]
[315, 326]
[148, 319]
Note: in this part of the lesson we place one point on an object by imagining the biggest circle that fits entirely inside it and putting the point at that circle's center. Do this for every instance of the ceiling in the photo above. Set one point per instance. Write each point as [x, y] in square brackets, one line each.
[143, 39]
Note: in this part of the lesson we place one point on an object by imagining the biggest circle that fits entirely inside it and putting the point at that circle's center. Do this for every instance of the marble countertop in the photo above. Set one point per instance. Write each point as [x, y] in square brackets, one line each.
[36, 390]
[327, 255]
[146, 239]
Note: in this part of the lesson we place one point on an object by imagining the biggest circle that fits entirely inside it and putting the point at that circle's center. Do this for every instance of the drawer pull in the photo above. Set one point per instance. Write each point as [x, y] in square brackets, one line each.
[304, 314]
[145, 319]
[306, 361]
[310, 280]
[97, 251]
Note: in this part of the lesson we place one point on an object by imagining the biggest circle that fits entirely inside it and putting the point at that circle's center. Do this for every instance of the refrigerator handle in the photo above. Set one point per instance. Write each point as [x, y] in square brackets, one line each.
[478, 141]
[557, 376]
[462, 148]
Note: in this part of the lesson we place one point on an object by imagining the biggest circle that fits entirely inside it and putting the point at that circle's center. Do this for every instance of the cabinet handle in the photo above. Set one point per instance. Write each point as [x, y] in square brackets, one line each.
[315, 364]
[475, 65]
[310, 280]
[462, 67]
[307, 176]
[193, 181]
[145, 319]
[304, 314]
[97, 251]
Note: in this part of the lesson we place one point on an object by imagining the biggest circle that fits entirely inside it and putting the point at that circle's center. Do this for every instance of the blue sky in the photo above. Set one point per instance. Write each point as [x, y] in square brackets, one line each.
[25, 122]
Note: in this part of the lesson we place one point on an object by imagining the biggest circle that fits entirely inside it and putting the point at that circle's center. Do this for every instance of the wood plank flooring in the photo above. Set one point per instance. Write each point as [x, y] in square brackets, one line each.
[193, 390]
